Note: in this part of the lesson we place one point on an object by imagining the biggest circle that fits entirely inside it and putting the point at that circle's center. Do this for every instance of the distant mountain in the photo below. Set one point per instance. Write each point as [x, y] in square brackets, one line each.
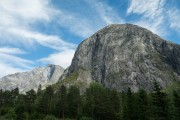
[31, 80]
[124, 55]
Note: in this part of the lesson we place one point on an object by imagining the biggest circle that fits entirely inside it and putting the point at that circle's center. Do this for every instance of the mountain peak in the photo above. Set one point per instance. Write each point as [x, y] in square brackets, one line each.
[125, 55]
[32, 79]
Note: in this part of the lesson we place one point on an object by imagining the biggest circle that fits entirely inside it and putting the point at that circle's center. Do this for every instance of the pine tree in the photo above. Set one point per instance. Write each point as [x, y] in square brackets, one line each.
[128, 110]
[160, 104]
[20, 107]
[73, 102]
[143, 105]
[61, 106]
[176, 101]
[30, 98]
[39, 90]
[114, 102]
[45, 104]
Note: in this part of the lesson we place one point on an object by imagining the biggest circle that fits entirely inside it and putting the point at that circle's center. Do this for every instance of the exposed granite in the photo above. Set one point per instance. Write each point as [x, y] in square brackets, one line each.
[124, 55]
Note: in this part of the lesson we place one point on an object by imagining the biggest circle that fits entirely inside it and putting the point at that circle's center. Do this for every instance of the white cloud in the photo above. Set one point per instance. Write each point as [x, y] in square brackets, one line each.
[149, 8]
[15, 12]
[63, 58]
[174, 18]
[86, 26]
[8, 69]
[10, 63]
[17, 18]
[152, 12]
[50, 41]
[10, 50]
[76, 24]
[152, 25]
[14, 60]
[106, 12]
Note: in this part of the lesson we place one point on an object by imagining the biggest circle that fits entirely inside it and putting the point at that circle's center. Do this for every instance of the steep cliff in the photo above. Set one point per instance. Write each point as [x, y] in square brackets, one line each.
[124, 55]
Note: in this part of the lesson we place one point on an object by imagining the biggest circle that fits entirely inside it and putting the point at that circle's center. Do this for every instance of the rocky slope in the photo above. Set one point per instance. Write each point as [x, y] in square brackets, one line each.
[32, 79]
[124, 55]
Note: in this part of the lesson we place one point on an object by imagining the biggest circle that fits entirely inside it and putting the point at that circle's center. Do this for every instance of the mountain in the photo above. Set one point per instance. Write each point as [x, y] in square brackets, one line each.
[26, 81]
[124, 55]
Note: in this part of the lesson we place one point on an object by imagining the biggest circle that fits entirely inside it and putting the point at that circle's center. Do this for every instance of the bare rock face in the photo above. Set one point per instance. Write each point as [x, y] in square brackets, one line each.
[124, 55]
[31, 80]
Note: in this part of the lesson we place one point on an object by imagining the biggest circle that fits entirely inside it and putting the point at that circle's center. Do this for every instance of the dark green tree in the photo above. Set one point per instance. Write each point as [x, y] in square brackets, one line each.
[45, 103]
[176, 101]
[114, 104]
[61, 107]
[73, 102]
[30, 98]
[39, 90]
[160, 103]
[142, 105]
[20, 108]
[128, 109]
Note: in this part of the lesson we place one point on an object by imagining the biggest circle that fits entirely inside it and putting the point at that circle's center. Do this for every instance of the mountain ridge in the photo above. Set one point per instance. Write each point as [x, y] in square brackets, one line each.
[26, 81]
[125, 55]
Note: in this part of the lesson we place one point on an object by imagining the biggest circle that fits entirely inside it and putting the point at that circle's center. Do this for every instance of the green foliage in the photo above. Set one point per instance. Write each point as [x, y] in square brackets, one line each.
[101, 103]
[86, 118]
[97, 103]
[70, 79]
[129, 109]
[11, 114]
[61, 106]
[50, 117]
[174, 86]
[176, 101]
[45, 103]
[143, 108]
[160, 103]
[73, 102]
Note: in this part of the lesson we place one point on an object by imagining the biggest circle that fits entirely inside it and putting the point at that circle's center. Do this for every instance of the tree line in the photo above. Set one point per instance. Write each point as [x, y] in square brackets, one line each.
[97, 103]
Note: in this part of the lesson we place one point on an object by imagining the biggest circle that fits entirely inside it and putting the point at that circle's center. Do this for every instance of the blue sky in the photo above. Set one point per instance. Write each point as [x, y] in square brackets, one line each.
[40, 32]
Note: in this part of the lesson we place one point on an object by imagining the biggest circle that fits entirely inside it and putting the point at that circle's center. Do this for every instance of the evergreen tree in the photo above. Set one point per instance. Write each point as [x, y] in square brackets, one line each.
[73, 102]
[101, 103]
[39, 90]
[160, 104]
[14, 96]
[61, 106]
[30, 98]
[45, 103]
[143, 105]
[128, 110]
[1, 100]
[89, 103]
[20, 107]
[114, 102]
[176, 101]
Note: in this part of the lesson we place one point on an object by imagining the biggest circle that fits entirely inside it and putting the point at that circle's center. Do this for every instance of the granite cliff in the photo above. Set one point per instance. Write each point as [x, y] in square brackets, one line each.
[124, 55]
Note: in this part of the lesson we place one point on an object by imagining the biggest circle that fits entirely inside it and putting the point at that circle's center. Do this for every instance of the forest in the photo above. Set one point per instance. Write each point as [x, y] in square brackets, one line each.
[97, 103]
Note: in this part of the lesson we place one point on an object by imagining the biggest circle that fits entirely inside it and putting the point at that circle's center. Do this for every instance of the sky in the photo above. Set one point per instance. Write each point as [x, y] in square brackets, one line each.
[39, 32]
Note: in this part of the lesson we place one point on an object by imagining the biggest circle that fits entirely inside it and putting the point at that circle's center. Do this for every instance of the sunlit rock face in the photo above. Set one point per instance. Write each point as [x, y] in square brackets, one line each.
[124, 55]
[26, 81]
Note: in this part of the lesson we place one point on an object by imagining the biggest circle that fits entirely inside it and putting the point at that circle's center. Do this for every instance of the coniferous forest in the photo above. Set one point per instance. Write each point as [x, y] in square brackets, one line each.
[97, 103]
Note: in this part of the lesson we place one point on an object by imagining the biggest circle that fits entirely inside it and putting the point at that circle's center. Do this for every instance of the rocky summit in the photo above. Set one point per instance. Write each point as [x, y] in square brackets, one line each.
[124, 55]
[26, 81]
